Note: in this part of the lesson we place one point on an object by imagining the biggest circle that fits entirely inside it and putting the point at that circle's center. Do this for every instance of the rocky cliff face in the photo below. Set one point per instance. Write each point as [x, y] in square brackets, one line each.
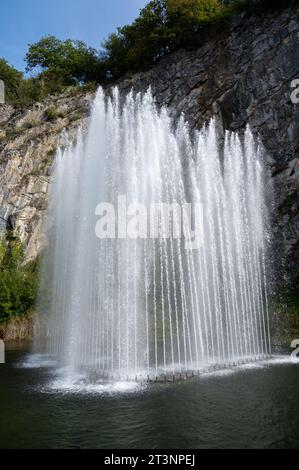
[28, 143]
[242, 75]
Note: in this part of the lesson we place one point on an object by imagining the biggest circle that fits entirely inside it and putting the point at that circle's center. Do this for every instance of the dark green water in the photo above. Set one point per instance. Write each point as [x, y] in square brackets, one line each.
[252, 408]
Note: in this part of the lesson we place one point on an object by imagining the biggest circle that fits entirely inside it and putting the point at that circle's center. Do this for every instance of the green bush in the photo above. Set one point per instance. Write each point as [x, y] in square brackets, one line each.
[18, 282]
[19, 91]
[51, 114]
[31, 124]
[12, 79]
[30, 91]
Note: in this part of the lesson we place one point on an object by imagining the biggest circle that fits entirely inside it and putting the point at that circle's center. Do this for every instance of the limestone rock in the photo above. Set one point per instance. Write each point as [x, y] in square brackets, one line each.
[28, 143]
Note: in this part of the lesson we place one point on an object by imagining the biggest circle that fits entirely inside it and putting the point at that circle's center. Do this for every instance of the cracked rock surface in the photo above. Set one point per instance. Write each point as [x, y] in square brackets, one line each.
[28, 143]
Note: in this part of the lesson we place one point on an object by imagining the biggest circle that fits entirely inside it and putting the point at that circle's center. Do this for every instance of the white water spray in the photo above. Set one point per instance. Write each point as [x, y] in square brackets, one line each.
[123, 308]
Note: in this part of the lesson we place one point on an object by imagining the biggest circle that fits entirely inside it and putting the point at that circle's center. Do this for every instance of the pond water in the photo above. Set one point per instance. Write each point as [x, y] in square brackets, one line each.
[254, 406]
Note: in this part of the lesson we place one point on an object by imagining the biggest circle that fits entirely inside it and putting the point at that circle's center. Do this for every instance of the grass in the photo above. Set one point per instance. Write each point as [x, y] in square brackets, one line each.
[52, 114]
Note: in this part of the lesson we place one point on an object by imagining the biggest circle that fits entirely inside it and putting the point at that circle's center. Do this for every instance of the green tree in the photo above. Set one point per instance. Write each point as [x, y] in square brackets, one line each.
[162, 26]
[187, 17]
[12, 79]
[139, 45]
[63, 63]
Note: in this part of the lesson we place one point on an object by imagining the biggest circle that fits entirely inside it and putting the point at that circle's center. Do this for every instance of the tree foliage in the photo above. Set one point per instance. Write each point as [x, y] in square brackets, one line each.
[18, 282]
[162, 26]
[166, 25]
[64, 62]
[18, 90]
[12, 79]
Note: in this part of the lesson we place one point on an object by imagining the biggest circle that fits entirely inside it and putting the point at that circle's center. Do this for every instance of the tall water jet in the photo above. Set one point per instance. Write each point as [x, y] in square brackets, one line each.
[151, 306]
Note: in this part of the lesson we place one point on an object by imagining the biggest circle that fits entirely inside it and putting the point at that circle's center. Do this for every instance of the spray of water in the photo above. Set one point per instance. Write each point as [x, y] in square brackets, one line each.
[150, 307]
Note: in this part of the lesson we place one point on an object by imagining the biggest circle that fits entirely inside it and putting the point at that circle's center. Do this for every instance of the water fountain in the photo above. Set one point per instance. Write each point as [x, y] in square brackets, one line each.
[149, 307]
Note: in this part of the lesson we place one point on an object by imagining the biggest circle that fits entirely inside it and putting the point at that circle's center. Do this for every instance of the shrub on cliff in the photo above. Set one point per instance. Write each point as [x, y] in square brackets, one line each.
[18, 90]
[18, 282]
[12, 79]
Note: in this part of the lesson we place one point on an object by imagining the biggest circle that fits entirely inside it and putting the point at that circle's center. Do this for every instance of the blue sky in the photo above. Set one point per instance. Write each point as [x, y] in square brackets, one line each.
[26, 21]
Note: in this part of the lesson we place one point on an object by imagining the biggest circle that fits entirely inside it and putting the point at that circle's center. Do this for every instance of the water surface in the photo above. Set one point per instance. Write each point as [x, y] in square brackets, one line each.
[253, 407]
